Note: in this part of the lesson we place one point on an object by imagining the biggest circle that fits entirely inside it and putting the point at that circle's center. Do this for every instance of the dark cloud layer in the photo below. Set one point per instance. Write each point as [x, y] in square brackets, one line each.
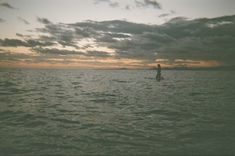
[43, 20]
[111, 3]
[180, 38]
[23, 20]
[12, 43]
[6, 56]
[23, 43]
[164, 15]
[55, 51]
[2, 20]
[7, 5]
[147, 3]
[133, 4]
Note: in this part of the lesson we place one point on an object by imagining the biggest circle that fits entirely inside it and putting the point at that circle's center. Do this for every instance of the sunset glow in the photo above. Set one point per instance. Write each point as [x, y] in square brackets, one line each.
[133, 34]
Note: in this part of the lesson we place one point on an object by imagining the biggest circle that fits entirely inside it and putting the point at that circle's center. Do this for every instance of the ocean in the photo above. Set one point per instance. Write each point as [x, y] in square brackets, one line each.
[117, 112]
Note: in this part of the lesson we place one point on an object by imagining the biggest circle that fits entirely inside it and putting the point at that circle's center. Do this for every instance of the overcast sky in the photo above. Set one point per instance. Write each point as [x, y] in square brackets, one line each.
[117, 33]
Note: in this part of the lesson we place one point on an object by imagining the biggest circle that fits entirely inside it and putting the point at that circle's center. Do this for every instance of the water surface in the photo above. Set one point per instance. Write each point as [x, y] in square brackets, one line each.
[117, 112]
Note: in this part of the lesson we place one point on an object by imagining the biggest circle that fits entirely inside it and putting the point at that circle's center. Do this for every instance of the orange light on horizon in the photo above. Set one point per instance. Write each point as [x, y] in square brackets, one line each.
[106, 63]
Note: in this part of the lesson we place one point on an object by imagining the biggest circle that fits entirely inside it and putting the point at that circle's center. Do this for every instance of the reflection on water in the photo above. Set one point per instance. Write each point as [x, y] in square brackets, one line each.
[116, 112]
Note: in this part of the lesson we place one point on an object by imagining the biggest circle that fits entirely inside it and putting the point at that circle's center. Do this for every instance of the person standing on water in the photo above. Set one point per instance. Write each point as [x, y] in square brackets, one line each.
[158, 76]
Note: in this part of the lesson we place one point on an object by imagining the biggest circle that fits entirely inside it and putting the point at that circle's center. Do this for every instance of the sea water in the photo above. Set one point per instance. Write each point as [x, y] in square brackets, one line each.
[117, 112]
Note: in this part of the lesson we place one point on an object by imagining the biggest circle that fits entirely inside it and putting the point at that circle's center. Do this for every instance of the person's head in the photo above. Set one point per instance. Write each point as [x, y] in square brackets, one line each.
[158, 65]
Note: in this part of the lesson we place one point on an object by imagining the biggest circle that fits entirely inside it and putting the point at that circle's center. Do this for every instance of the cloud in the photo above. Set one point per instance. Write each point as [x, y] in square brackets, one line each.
[168, 14]
[111, 3]
[172, 12]
[7, 5]
[100, 1]
[195, 40]
[23, 20]
[179, 38]
[97, 54]
[43, 20]
[217, 24]
[164, 15]
[55, 51]
[12, 43]
[2, 20]
[147, 3]
[133, 4]
[127, 7]
[10, 56]
[21, 43]
[41, 43]
[153, 3]
[179, 19]
[61, 33]
[114, 4]
[24, 36]
[19, 35]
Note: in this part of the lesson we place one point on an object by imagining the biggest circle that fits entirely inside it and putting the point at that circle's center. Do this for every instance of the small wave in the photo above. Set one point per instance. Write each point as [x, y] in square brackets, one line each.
[8, 114]
[65, 121]
[99, 100]
[195, 93]
[76, 83]
[168, 114]
[78, 86]
[35, 123]
[19, 118]
[7, 84]
[119, 81]
[150, 78]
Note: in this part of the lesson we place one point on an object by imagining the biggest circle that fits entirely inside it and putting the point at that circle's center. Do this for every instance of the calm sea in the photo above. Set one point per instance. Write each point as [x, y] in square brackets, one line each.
[117, 112]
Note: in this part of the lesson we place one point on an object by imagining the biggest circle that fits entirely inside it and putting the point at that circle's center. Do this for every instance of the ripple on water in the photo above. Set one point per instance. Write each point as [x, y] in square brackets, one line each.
[125, 112]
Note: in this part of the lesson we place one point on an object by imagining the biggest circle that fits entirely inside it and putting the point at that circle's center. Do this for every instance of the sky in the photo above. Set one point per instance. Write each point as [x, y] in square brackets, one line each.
[117, 33]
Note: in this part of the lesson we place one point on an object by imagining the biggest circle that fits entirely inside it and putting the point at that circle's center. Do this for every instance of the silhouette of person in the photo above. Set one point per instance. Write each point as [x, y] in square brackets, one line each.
[158, 77]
